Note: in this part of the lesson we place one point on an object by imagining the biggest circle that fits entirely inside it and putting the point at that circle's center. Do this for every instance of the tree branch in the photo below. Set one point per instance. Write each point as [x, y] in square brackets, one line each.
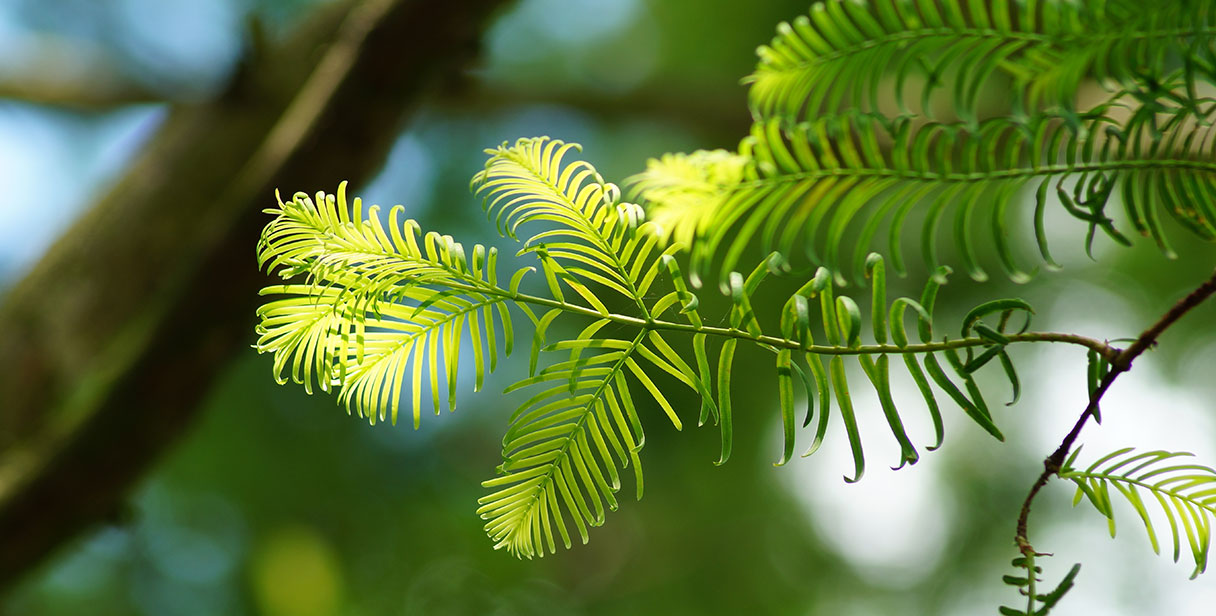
[91, 94]
[62, 71]
[110, 343]
[1121, 363]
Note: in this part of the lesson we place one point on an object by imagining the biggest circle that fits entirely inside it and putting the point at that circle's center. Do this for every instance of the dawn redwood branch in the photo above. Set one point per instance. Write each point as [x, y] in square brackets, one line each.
[1122, 362]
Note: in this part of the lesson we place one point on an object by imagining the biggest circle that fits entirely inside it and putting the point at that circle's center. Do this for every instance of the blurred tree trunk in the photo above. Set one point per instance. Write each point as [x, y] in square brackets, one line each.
[110, 343]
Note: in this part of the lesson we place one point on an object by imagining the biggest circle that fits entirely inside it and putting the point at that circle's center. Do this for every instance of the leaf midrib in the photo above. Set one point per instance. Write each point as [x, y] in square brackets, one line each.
[982, 176]
[981, 33]
[1174, 493]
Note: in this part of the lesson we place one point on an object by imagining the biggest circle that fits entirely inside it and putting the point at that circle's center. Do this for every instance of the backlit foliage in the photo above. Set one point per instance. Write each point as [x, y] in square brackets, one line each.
[871, 119]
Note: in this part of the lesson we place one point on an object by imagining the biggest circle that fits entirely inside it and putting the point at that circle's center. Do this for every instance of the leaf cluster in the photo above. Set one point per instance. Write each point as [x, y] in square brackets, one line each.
[384, 311]
[827, 166]
[1185, 494]
[871, 123]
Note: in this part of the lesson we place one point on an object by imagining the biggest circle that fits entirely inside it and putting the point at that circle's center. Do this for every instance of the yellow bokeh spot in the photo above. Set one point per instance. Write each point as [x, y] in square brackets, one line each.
[295, 573]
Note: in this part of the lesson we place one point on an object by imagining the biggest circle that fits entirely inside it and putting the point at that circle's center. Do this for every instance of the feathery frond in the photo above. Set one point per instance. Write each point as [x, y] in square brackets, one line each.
[591, 230]
[836, 181]
[1186, 494]
[857, 55]
[680, 188]
[558, 453]
[588, 237]
[378, 304]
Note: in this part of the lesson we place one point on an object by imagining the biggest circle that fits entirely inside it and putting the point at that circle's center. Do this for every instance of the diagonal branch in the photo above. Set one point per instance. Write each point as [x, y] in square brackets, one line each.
[108, 346]
[1122, 362]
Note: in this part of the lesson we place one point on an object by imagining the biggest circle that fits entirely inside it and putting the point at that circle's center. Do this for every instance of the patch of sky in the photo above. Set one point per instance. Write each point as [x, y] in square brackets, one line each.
[606, 46]
[51, 164]
[181, 45]
[892, 526]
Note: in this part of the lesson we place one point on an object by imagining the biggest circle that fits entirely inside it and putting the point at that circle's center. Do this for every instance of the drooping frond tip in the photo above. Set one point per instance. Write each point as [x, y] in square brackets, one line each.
[842, 328]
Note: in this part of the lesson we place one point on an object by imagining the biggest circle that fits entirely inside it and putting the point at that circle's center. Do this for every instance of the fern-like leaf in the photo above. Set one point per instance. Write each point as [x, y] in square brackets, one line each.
[567, 442]
[379, 305]
[562, 450]
[588, 239]
[1186, 494]
[590, 229]
[849, 55]
[804, 190]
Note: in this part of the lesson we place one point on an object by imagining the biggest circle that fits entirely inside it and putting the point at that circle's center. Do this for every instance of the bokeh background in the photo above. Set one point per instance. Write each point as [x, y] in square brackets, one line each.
[278, 503]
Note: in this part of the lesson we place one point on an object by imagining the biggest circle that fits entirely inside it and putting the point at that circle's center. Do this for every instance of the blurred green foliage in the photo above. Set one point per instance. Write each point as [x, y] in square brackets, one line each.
[281, 504]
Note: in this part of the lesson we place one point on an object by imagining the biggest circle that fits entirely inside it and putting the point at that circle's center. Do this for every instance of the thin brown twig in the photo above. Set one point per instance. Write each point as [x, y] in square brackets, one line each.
[1122, 362]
